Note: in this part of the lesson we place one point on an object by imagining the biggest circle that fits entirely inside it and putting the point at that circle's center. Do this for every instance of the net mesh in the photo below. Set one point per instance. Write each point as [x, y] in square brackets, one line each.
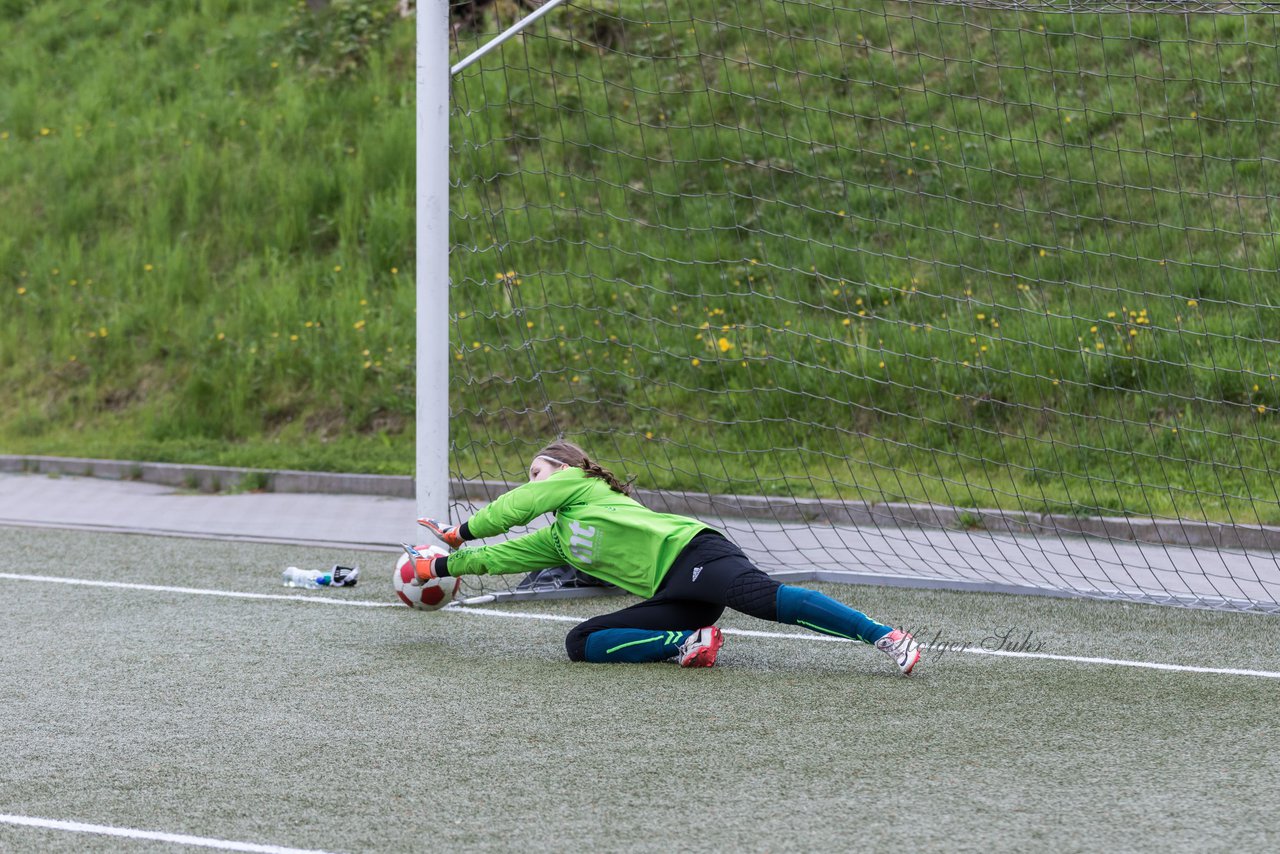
[965, 292]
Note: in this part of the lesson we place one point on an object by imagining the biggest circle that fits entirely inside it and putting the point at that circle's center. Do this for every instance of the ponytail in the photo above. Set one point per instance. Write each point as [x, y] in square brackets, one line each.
[595, 470]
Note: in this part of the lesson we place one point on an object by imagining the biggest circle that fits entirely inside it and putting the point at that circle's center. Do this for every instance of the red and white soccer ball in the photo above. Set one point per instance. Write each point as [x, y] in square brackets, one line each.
[433, 595]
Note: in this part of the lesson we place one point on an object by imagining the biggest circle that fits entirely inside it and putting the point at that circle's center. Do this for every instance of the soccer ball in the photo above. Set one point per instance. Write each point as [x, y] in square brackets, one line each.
[433, 595]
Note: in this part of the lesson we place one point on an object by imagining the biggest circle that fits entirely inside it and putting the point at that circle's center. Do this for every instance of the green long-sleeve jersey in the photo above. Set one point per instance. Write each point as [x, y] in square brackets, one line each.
[599, 531]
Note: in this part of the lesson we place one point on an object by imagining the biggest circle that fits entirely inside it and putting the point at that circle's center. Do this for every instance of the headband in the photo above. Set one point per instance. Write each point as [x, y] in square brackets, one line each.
[551, 460]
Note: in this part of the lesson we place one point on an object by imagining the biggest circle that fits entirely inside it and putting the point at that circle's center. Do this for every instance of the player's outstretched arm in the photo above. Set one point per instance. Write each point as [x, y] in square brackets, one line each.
[518, 507]
[522, 554]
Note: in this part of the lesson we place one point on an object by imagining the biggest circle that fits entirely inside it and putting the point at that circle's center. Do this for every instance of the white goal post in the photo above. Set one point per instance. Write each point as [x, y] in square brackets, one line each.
[431, 472]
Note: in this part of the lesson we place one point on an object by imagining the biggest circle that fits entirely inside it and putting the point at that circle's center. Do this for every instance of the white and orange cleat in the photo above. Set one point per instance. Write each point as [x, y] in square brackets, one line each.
[902, 648]
[701, 648]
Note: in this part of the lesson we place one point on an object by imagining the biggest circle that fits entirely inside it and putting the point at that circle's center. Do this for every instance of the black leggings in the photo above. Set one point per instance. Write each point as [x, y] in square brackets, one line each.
[709, 575]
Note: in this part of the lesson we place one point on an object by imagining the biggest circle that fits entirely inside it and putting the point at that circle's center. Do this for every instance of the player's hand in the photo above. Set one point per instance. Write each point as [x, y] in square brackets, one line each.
[424, 566]
[451, 535]
[425, 569]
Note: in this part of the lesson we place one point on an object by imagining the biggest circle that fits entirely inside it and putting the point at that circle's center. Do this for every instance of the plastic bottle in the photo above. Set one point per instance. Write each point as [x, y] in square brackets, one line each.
[311, 579]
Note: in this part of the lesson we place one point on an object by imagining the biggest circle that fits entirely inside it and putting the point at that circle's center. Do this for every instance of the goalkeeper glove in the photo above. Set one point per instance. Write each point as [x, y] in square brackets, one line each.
[426, 567]
[452, 536]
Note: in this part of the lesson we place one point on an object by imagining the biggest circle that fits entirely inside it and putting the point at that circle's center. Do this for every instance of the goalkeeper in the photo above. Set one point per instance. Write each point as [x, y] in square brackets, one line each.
[686, 572]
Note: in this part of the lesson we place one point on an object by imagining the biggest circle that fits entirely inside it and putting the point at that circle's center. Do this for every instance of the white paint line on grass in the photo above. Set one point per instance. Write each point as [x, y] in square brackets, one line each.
[199, 591]
[130, 833]
[561, 618]
[1121, 662]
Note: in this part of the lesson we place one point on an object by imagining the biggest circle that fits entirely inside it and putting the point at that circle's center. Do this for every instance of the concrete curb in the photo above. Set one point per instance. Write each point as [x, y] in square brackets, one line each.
[214, 478]
[779, 509]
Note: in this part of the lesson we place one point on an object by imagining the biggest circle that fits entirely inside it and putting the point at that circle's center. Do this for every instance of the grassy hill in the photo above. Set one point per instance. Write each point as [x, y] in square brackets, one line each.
[203, 213]
[983, 257]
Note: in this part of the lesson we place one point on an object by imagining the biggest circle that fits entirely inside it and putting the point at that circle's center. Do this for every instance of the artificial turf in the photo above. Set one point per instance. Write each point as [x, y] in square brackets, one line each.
[385, 729]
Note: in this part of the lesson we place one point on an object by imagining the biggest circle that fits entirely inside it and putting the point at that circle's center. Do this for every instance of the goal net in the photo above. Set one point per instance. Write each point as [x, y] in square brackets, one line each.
[940, 293]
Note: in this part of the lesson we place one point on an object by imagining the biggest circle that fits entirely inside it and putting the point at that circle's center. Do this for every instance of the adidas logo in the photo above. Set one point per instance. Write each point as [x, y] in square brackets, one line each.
[697, 570]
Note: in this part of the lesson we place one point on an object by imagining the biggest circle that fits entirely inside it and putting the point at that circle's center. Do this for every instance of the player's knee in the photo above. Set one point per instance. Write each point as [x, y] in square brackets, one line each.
[754, 593]
[575, 643]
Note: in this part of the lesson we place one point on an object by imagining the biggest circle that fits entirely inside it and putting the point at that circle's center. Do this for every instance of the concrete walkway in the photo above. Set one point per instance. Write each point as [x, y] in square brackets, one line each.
[351, 521]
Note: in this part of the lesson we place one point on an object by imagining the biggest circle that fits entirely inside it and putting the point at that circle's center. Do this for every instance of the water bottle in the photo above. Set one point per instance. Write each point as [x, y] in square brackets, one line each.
[311, 579]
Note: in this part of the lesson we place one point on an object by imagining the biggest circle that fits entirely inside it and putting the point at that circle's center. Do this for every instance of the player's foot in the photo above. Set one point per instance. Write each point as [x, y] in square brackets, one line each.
[902, 648]
[701, 648]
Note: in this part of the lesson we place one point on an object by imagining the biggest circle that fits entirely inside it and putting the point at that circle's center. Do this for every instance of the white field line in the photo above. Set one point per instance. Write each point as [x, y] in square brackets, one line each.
[130, 833]
[560, 618]
[198, 591]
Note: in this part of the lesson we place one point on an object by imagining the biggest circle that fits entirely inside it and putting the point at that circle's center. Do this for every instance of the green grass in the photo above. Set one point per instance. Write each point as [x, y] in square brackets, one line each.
[246, 719]
[891, 252]
[210, 220]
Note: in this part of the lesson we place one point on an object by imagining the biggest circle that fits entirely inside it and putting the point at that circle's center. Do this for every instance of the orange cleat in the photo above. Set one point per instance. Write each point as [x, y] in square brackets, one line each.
[902, 648]
[701, 648]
